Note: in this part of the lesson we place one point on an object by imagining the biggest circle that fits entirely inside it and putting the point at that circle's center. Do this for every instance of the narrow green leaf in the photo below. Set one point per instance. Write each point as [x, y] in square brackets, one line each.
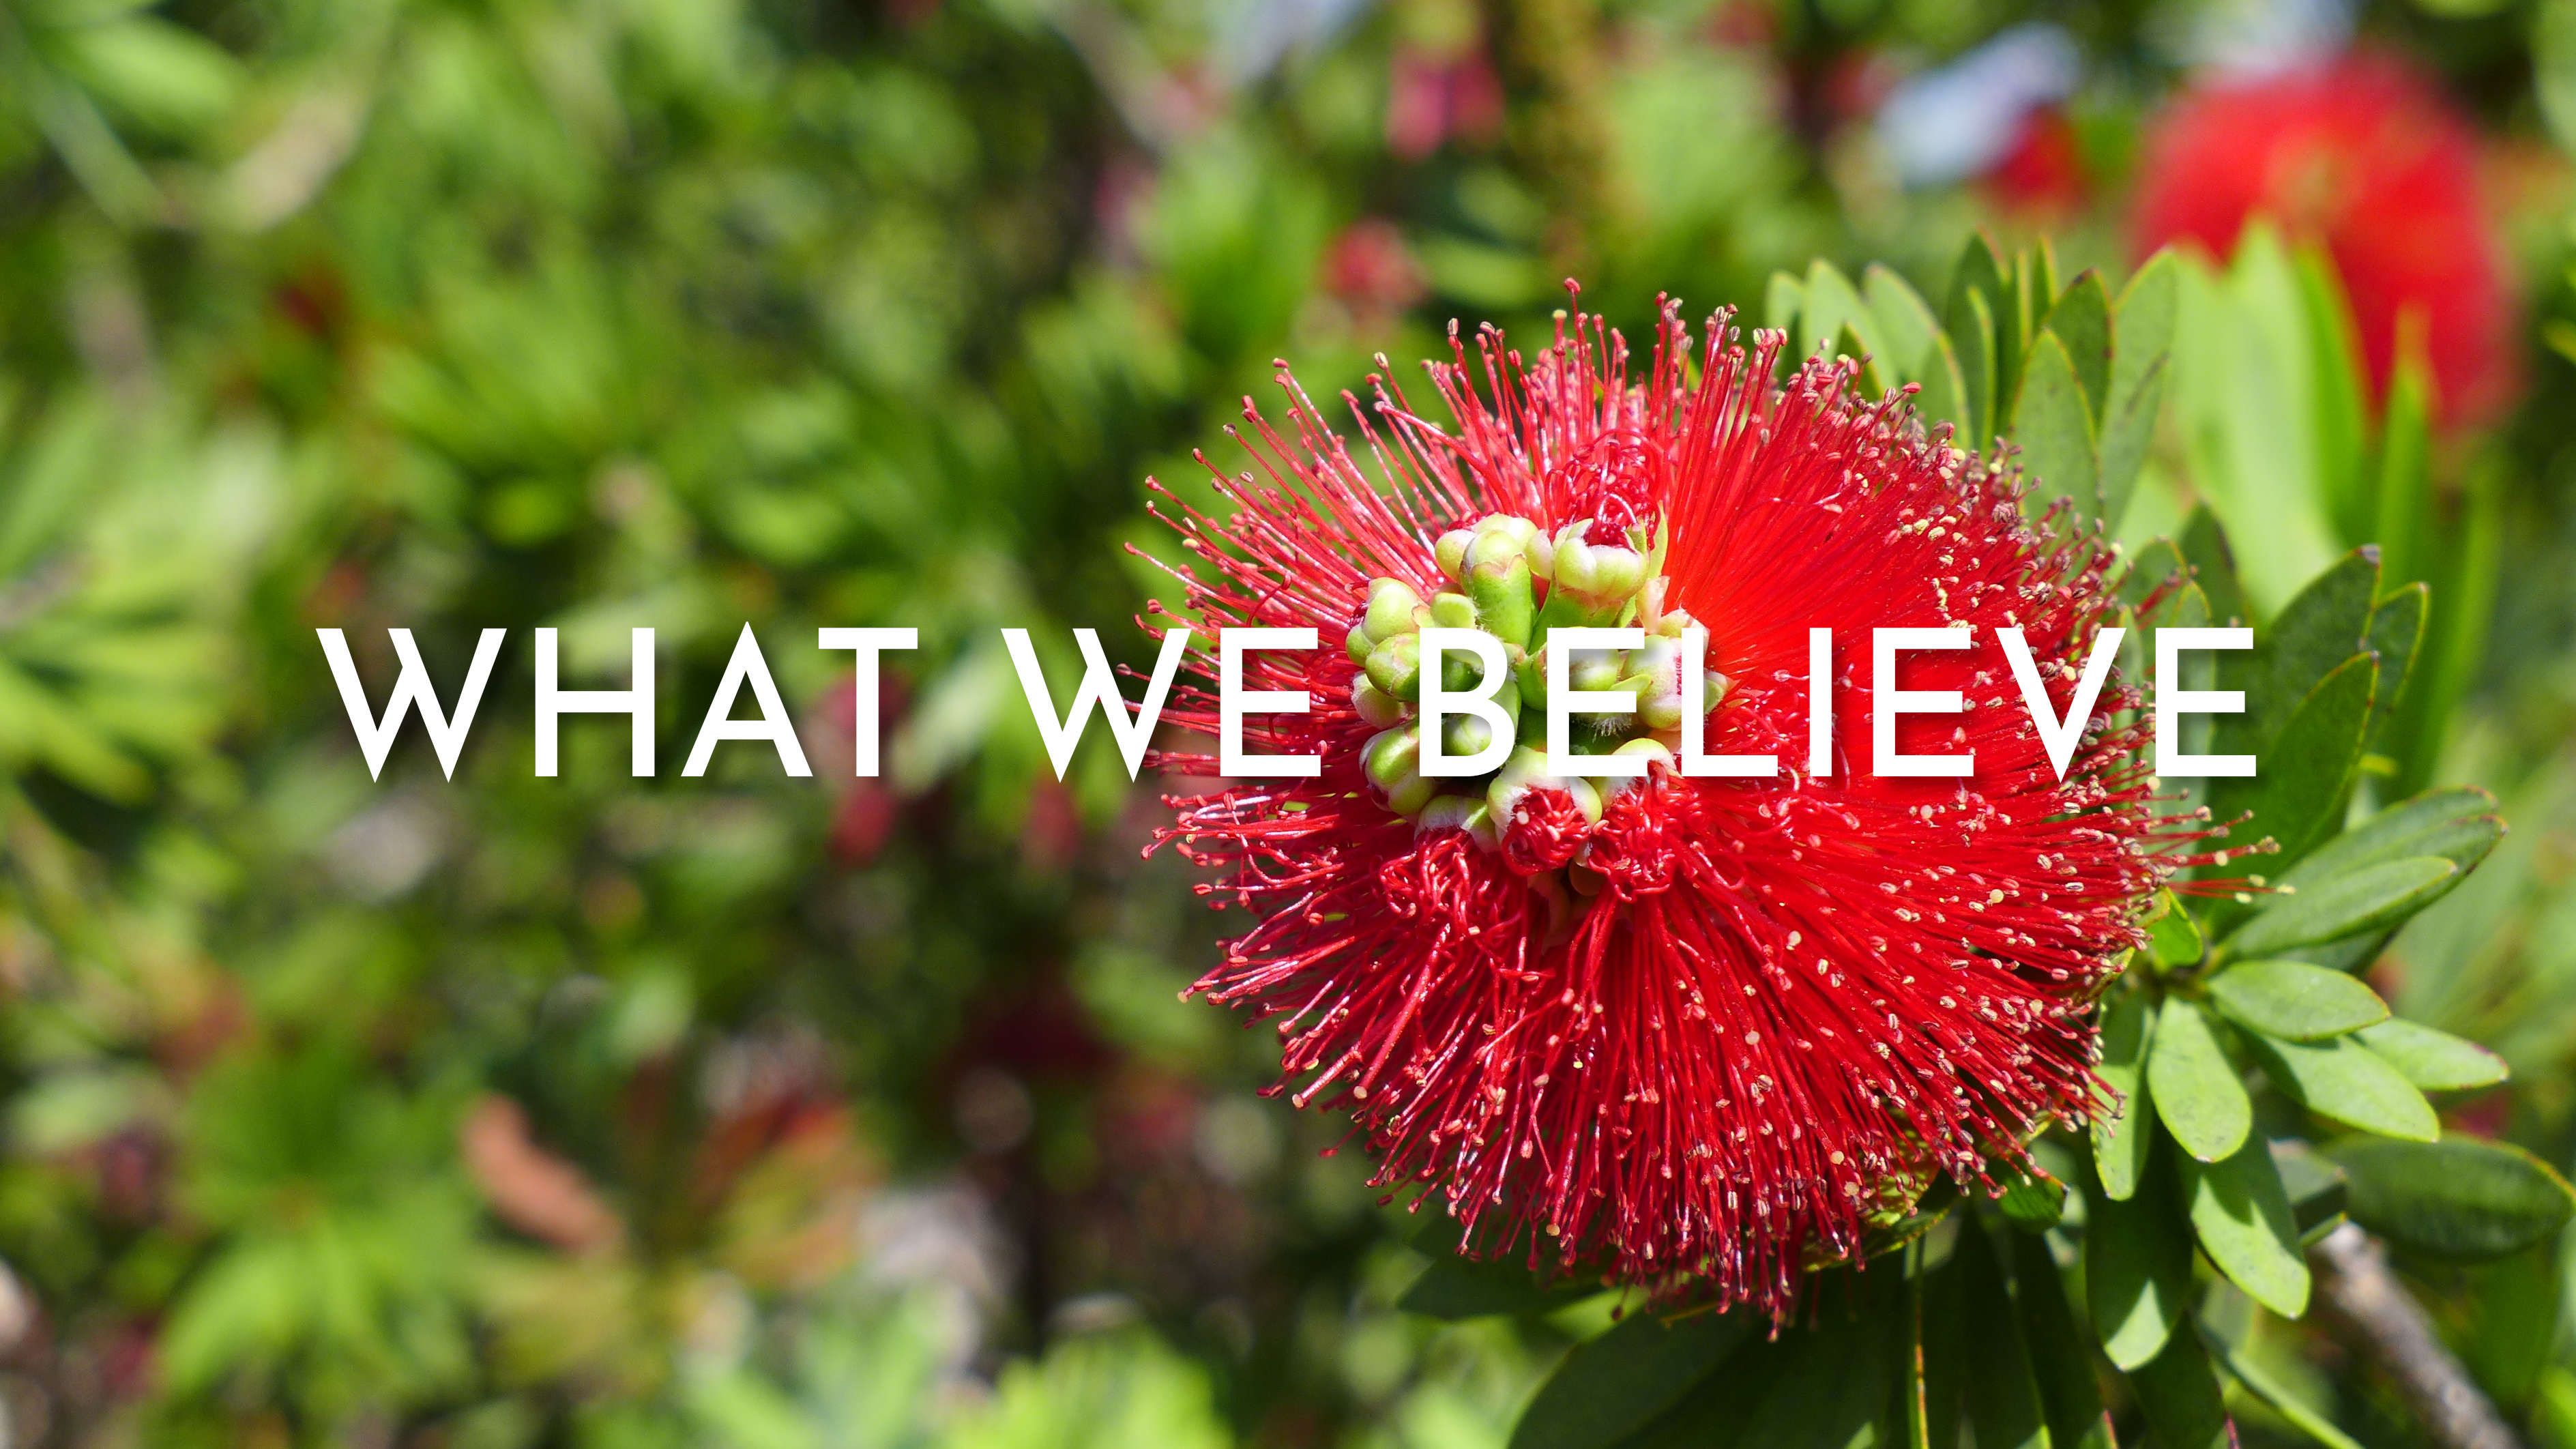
[2142, 333]
[2037, 279]
[1906, 325]
[2137, 1269]
[2346, 905]
[1944, 397]
[2435, 1061]
[2180, 1394]
[2315, 1186]
[2457, 823]
[2060, 1360]
[2304, 771]
[2350, 1083]
[2081, 319]
[2194, 1085]
[2003, 1398]
[2033, 1204]
[2213, 567]
[2263, 1386]
[1454, 1288]
[1831, 308]
[2242, 1217]
[2173, 936]
[2054, 426]
[1782, 301]
[2295, 1001]
[2405, 481]
[2121, 1139]
[2337, 395]
[2397, 637]
[2459, 1198]
[1972, 334]
[1613, 1385]
[2124, 435]
[1872, 382]
[2323, 625]
[1827, 1384]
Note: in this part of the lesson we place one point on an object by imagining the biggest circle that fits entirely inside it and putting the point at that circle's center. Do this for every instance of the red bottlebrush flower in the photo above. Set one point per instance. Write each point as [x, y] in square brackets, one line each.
[1434, 97]
[1372, 273]
[2043, 172]
[1695, 1031]
[2363, 157]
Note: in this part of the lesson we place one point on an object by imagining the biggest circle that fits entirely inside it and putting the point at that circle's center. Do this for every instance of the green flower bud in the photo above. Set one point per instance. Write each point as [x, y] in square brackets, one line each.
[1464, 735]
[1391, 762]
[1375, 705]
[1505, 604]
[1391, 603]
[1593, 670]
[1461, 812]
[1451, 550]
[1649, 748]
[1395, 667]
[1453, 611]
[1359, 643]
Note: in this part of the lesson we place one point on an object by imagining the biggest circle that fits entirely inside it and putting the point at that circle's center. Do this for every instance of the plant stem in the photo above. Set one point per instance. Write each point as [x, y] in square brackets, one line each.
[2364, 1296]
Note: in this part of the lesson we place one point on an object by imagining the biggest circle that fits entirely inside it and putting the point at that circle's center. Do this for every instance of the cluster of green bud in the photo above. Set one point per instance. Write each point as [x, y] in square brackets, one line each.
[1518, 585]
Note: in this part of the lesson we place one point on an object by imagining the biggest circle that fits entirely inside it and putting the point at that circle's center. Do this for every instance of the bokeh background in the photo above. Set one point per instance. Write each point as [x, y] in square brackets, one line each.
[785, 1114]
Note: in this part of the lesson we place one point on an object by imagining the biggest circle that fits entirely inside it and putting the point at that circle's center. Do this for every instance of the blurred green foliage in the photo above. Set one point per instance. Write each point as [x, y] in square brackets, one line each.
[750, 1111]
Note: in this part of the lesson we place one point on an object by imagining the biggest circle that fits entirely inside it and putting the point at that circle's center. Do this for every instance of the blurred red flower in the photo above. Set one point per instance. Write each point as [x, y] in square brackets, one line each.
[1693, 1030]
[2364, 157]
[2043, 172]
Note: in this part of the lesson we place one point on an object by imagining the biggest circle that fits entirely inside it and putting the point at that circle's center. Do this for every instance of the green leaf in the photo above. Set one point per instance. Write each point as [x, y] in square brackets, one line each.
[2081, 320]
[1871, 383]
[2305, 769]
[1833, 308]
[2194, 1085]
[1614, 1385]
[2459, 1198]
[2173, 936]
[2180, 1394]
[2141, 360]
[1979, 287]
[2242, 1217]
[1455, 1287]
[2350, 1083]
[2059, 1358]
[2054, 427]
[1782, 301]
[1945, 391]
[2435, 1061]
[1812, 1388]
[2346, 905]
[2405, 450]
[2213, 567]
[2122, 1137]
[1906, 325]
[2003, 1398]
[1972, 334]
[2281, 1401]
[2338, 394]
[2035, 1203]
[2137, 1270]
[2397, 637]
[2457, 823]
[2314, 1185]
[2322, 626]
[2295, 1001]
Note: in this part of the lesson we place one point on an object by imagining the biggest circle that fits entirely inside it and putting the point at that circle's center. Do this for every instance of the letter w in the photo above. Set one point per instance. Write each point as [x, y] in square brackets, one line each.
[1099, 690]
[376, 737]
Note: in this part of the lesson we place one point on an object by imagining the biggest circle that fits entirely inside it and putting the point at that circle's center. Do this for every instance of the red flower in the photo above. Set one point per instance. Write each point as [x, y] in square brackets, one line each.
[1694, 1028]
[2364, 158]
